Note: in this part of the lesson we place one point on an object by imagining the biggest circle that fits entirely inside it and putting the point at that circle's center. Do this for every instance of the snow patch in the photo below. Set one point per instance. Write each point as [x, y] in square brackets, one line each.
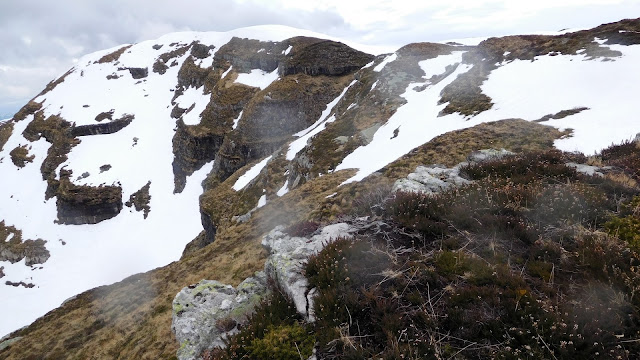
[565, 87]
[318, 126]
[417, 120]
[438, 65]
[226, 72]
[284, 189]
[251, 174]
[196, 98]
[600, 41]
[384, 63]
[288, 50]
[258, 78]
[262, 201]
[237, 120]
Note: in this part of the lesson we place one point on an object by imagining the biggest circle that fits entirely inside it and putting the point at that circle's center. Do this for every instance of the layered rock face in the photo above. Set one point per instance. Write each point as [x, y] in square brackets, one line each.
[87, 204]
[103, 128]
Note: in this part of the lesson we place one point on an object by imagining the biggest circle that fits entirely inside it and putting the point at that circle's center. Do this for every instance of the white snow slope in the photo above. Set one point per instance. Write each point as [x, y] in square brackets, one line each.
[86, 256]
[519, 89]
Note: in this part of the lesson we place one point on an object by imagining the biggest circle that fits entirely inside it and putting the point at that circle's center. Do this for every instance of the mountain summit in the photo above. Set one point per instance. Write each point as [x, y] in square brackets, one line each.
[180, 154]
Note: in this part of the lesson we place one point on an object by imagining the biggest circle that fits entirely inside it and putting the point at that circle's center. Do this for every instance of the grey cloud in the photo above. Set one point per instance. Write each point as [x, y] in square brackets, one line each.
[46, 35]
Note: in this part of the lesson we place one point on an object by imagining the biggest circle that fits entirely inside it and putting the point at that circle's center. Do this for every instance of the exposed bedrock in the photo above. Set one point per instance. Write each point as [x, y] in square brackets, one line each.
[87, 204]
[192, 148]
[102, 128]
[138, 73]
[196, 145]
[245, 55]
[14, 249]
[287, 106]
[324, 58]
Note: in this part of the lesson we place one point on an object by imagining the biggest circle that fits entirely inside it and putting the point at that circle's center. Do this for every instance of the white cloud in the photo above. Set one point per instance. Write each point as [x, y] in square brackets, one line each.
[41, 35]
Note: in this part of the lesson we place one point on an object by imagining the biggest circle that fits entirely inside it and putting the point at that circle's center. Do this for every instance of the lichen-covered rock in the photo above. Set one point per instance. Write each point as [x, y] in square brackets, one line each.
[430, 180]
[5, 343]
[207, 312]
[288, 254]
[589, 169]
[488, 154]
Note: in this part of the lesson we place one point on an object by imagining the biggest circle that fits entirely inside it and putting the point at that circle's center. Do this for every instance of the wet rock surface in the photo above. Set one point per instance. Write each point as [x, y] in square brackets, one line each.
[87, 204]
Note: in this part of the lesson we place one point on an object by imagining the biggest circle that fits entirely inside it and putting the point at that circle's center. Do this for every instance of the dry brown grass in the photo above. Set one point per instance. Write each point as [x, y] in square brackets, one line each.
[20, 156]
[451, 148]
[114, 56]
[132, 319]
[448, 149]
[52, 85]
[6, 129]
[29, 109]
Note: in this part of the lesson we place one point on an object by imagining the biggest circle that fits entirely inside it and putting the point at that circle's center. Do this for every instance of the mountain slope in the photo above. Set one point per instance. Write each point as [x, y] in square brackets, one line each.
[283, 118]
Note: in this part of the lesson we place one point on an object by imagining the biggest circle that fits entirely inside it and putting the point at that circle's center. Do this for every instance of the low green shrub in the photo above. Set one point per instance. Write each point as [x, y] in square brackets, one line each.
[285, 342]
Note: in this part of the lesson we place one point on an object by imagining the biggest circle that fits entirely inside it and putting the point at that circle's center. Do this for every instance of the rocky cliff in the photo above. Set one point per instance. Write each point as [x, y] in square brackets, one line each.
[220, 138]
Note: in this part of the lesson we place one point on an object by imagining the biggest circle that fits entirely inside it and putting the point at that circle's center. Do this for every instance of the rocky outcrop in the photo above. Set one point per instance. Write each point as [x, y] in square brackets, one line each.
[246, 54]
[13, 249]
[138, 73]
[191, 74]
[287, 106]
[488, 155]
[193, 147]
[160, 66]
[29, 109]
[201, 51]
[7, 342]
[434, 179]
[324, 58]
[430, 180]
[288, 254]
[87, 204]
[57, 132]
[209, 311]
[107, 115]
[6, 129]
[103, 128]
[20, 156]
[140, 200]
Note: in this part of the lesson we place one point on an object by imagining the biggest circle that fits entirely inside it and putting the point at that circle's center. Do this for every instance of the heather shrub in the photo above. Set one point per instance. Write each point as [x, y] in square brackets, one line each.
[275, 318]
[301, 229]
[285, 342]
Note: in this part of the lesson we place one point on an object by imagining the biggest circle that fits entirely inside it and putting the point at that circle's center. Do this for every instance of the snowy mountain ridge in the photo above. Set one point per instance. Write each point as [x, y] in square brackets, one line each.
[108, 164]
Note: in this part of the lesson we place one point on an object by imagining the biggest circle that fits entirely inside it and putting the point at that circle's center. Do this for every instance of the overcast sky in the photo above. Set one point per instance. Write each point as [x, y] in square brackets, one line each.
[41, 38]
